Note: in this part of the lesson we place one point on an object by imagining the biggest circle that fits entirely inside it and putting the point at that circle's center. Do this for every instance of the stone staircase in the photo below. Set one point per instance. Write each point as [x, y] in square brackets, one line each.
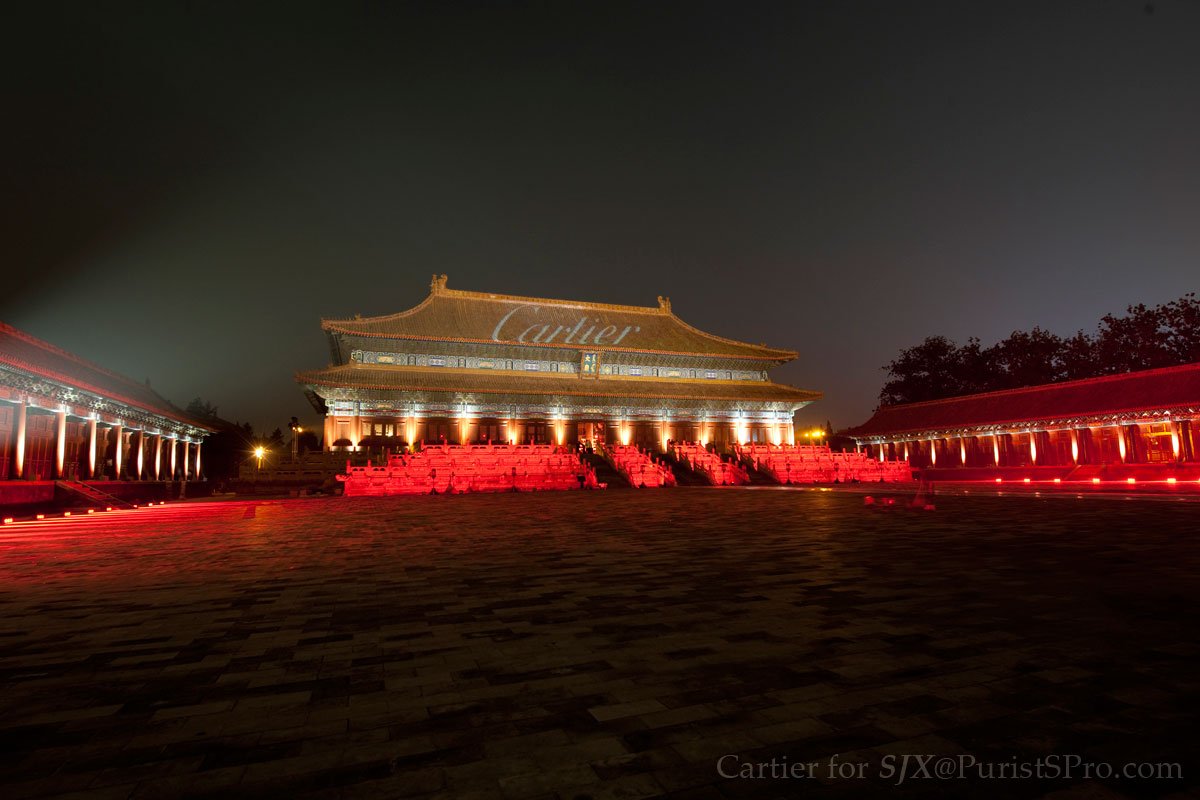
[92, 495]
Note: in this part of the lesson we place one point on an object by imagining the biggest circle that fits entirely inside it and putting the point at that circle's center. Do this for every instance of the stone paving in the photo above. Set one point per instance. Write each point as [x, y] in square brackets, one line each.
[597, 645]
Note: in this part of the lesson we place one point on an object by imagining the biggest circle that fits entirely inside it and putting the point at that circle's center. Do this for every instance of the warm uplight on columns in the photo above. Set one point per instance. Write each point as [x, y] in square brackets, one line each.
[1033, 447]
[933, 452]
[197, 467]
[962, 450]
[19, 456]
[996, 449]
[1175, 442]
[118, 437]
[882, 447]
[92, 447]
[560, 431]
[186, 446]
[60, 443]
[1075, 446]
[174, 449]
[158, 456]
[1120, 441]
[624, 431]
[141, 450]
[791, 433]
[906, 451]
[777, 435]
[742, 431]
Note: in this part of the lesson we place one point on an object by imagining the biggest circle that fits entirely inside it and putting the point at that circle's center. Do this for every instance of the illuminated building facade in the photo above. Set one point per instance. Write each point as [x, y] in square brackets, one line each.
[62, 417]
[1121, 425]
[470, 367]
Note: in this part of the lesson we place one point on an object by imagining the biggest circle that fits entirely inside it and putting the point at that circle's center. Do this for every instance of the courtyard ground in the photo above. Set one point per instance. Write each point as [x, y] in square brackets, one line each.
[597, 645]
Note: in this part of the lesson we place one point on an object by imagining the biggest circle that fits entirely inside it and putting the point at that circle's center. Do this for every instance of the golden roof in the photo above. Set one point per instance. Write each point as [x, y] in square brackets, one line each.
[454, 315]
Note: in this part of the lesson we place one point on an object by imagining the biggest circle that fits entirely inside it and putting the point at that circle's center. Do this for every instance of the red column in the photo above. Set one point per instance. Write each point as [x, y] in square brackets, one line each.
[92, 447]
[118, 448]
[60, 442]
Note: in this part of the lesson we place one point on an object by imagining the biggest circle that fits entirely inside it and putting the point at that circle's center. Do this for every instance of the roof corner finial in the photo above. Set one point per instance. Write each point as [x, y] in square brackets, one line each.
[438, 284]
[664, 304]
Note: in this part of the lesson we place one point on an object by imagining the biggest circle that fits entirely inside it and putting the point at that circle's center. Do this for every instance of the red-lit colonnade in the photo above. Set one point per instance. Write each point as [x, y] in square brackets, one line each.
[1144, 420]
[62, 417]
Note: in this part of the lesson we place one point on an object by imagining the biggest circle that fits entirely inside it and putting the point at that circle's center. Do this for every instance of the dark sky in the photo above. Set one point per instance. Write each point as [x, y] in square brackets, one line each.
[188, 189]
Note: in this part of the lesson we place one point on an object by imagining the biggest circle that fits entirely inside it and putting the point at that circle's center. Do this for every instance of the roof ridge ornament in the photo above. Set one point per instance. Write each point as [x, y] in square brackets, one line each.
[438, 284]
[664, 304]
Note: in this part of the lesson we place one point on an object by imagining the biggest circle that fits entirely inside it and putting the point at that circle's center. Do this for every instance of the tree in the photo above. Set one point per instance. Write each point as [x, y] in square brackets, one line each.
[202, 409]
[1182, 318]
[1027, 359]
[1138, 340]
[923, 372]
[1143, 338]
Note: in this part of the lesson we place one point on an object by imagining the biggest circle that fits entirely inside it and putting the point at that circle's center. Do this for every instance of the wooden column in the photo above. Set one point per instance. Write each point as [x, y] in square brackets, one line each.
[92, 448]
[186, 457]
[174, 449]
[139, 461]
[118, 447]
[19, 450]
[158, 439]
[60, 442]
[197, 466]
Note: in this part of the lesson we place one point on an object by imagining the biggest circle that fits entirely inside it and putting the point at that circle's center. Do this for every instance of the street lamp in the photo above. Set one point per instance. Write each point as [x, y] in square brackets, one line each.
[259, 452]
[296, 429]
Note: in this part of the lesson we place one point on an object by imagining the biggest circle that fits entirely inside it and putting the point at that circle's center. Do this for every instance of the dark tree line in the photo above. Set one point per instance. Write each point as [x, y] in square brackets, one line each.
[234, 442]
[1143, 338]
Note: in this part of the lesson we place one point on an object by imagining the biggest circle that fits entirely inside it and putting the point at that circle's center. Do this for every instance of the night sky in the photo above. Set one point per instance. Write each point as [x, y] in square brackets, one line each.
[189, 189]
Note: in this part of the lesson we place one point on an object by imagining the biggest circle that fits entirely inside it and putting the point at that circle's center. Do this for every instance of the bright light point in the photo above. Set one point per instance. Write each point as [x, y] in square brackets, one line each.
[66, 513]
[1026, 480]
[109, 508]
[7, 520]
[41, 516]
[1058, 480]
[91, 511]
[999, 480]
[1095, 480]
[1131, 480]
[1171, 480]
[259, 452]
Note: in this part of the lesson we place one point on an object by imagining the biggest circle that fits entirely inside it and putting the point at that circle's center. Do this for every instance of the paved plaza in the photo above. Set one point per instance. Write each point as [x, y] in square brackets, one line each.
[619, 644]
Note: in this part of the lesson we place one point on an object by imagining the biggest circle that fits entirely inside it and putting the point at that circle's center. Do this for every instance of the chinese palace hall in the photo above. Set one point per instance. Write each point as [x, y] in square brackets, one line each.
[464, 367]
[1126, 427]
[64, 418]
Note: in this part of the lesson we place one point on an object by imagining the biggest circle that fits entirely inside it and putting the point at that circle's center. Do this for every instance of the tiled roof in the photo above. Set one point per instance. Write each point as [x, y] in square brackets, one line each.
[477, 317]
[1168, 388]
[415, 379]
[29, 354]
